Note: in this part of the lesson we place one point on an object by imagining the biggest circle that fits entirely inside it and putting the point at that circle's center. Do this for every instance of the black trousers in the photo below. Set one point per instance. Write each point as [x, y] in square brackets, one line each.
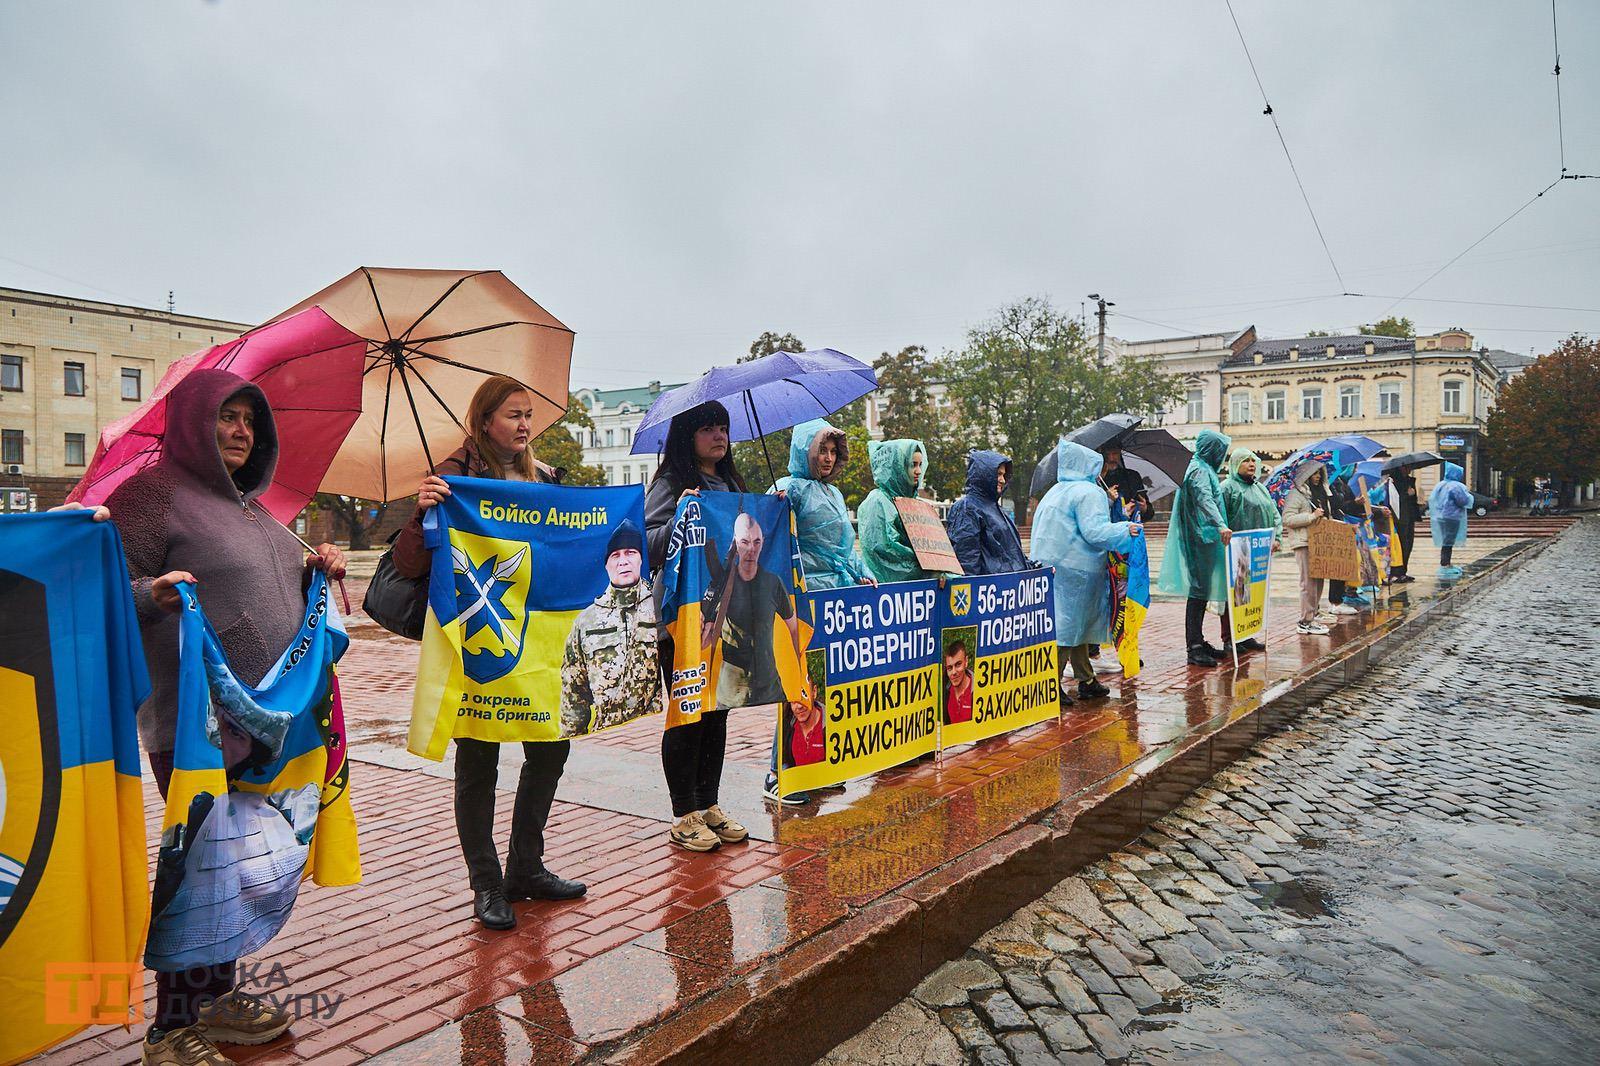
[1336, 592]
[1407, 531]
[691, 754]
[477, 770]
[180, 995]
[1194, 616]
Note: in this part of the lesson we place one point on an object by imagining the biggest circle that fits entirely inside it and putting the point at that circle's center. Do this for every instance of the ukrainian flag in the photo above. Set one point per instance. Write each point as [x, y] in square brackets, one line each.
[1135, 605]
[74, 899]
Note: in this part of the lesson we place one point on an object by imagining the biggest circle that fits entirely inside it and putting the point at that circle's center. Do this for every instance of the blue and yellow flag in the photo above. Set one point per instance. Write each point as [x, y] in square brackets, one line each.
[74, 900]
[540, 623]
[1134, 594]
[260, 792]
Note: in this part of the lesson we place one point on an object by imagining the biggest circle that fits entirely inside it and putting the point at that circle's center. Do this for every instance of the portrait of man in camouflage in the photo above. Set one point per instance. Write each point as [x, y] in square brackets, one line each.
[609, 673]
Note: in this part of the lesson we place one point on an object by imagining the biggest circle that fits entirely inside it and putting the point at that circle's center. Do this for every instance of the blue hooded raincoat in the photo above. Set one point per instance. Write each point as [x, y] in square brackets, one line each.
[984, 537]
[822, 522]
[1072, 532]
[1448, 505]
[1192, 565]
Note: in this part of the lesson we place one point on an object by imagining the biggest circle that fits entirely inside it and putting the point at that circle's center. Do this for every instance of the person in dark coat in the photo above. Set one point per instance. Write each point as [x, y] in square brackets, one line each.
[1408, 512]
[984, 537]
[196, 516]
[1125, 487]
[499, 444]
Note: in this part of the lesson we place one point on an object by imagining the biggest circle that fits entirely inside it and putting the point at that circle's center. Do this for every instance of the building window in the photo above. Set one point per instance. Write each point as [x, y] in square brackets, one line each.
[72, 379]
[611, 437]
[74, 449]
[1349, 401]
[627, 475]
[594, 438]
[1196, 405]
[1453, 391]
[11, 373]
[11, 446]
[1238, 407]
[1388, 397]
[132, 383]
[1311, 404]
[627, 436]
[1277, 401]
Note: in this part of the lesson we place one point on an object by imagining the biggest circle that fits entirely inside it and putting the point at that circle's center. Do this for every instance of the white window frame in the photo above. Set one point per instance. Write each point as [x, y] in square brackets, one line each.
[1307, 394]
[1390, 390]
[1280, 397]
[21, 440]
[1459, 391]
[15, 363]
[1350, 393]
[82, 443]
[1239, 401]
[66, 379]
[134, 375]
[1194, 405]
[611, 438]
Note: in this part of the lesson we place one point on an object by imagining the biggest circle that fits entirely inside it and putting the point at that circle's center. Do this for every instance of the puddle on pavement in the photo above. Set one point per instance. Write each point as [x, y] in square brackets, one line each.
[1590, 702]
[1295, 896]
[1311, 843]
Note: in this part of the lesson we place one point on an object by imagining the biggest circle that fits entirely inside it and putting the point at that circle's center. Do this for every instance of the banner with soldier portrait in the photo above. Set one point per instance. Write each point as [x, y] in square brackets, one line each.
[540, 624]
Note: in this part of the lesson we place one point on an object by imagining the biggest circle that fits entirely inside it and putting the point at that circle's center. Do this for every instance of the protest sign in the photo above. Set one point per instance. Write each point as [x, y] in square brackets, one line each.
[74, 894]
[872, 670]
[998, 646]
[730, 579]
[1249, 569]
[928, 537]
[540, 621]
[1334, 556]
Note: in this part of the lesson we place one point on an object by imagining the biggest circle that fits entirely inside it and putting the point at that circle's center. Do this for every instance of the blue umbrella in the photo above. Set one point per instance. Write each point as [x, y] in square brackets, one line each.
[1347, 450]
[764, 395]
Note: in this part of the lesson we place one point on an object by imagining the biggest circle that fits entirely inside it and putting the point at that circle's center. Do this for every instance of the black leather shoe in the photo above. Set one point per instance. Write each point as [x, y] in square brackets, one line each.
[490, 908]
[545, 885]
[1088, 690]
[1200, 656]
[1252, 645]
[1216, 652]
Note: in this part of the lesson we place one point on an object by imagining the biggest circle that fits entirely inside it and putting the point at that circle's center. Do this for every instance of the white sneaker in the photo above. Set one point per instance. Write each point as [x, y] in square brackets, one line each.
[1312, 629]
[1324, 618]
[1342, 608]
[1105, 666]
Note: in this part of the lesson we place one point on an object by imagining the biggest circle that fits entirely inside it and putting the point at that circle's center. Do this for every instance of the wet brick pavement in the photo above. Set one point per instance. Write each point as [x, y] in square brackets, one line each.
[1410, 874]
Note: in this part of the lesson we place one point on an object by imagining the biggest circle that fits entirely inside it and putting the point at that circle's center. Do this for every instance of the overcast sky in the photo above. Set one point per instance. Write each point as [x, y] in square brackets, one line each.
[670, 179]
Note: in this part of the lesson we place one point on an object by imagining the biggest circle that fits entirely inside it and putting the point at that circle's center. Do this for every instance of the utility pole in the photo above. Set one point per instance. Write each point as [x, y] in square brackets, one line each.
[1101, 304]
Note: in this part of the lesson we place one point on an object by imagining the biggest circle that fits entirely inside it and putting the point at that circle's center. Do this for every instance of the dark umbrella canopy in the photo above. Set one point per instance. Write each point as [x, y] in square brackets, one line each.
[1410, 460]
[1156, 455]
[1105, 432]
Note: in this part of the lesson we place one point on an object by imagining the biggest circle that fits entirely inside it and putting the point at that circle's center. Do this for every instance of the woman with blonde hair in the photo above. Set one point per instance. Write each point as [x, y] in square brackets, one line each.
[499, 444]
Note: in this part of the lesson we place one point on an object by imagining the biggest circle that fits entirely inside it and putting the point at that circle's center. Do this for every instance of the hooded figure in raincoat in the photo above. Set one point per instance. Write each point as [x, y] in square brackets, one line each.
[1192, 564]
[817, 452]
[884, 544]
[1448, 505]
[1246, 504]
[1073, 532]
[984, 537]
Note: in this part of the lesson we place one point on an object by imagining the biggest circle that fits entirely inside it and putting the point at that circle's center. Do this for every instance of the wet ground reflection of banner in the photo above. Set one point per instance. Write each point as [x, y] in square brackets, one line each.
[998, 645]
[872, 665]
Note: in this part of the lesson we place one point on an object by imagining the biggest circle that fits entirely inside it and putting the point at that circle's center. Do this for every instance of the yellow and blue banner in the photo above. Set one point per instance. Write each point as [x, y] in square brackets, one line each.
[998, 649]
[1130, 604]
[729, 584]
[260, 791]
[540, 623]
[1249, 566]
[74, 899]
[872, 670]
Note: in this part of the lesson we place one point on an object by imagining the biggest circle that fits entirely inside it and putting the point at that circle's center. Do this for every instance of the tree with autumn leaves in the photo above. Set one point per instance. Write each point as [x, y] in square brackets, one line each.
[1546, 421]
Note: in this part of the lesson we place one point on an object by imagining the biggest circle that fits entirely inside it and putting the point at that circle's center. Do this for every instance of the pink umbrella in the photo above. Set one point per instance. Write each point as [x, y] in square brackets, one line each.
[308, 366]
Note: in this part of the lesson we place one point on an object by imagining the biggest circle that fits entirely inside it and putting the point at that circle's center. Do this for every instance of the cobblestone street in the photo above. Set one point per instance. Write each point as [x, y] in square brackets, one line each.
[1410, 874]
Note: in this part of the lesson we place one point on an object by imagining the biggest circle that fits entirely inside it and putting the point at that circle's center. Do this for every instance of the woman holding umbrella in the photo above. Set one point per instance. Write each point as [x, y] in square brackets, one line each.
[499, 444]
[195, 516]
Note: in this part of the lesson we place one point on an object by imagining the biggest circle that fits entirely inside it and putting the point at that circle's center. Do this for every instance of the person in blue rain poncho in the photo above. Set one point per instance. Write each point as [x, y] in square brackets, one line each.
[1448, 505]
[984, 537]
[817, 453]
[897, 467]
[1192, 564]
[1072, 532]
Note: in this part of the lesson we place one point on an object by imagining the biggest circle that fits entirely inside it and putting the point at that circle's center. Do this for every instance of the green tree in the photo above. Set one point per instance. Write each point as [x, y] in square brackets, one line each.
[1028, 374]
[1391, 327]
[352, 516]
[1319, 333]
[1546, 420]
[557, 447]
[909, 410]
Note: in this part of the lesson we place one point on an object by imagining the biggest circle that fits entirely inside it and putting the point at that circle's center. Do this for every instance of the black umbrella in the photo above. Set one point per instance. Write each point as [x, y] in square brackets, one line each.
[1411, 459]
[1105, 432]
[1156, 455]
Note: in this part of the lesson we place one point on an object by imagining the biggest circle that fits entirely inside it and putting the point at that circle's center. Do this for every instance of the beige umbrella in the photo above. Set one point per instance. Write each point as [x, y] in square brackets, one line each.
[433, 336]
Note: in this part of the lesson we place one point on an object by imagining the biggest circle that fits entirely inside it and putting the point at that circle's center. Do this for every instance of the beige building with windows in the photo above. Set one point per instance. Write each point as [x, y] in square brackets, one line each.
[616, 414]
[68, 368]
[1431, 393]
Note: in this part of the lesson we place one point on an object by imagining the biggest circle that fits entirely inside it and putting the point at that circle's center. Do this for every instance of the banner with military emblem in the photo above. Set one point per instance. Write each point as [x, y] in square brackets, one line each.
[74, 894]
[998, 645]
[540, 622]
[729, 587]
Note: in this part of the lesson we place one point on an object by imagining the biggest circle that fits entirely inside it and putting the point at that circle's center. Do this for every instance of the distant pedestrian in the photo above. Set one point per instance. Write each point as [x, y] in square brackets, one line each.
[1125, 486]
[1448, 505]
[984, 537]
[499, 444]
[1306, 505]
[696, 458]
[1192, 562]
[1073, 533]
[897, 470]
